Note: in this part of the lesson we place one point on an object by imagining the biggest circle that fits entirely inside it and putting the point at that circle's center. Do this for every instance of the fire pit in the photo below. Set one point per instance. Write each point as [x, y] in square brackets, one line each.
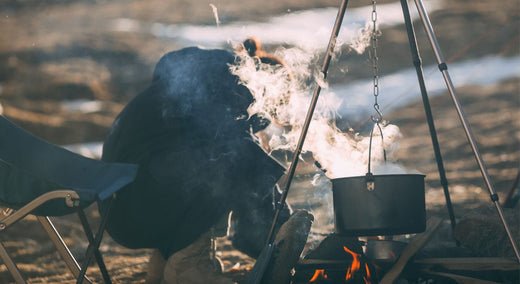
[340, 259]
[344, 259]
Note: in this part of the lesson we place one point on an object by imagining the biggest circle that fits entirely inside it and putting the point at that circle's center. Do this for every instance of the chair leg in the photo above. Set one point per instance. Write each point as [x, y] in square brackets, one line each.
[11, 266]
[93, 248]
[61, 247]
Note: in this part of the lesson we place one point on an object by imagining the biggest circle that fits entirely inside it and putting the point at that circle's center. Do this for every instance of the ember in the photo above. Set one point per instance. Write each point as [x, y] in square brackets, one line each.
[319, 274]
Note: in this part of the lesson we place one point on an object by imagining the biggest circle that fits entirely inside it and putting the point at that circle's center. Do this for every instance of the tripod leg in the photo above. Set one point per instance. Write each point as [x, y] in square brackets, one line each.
[427, 109]
[469, 133]
[261, 264]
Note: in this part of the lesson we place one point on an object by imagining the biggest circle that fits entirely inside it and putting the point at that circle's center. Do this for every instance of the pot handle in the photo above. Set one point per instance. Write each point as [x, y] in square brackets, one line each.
[369, 177]
[370, 181]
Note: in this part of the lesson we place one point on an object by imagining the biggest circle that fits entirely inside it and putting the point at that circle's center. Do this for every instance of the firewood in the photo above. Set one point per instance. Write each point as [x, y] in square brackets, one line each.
[289, 243]
[469, 263]
[459, 278]
[411, 249]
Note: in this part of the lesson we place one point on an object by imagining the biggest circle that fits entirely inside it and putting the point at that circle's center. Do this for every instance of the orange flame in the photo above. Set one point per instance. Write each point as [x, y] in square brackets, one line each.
[368, 276]
[355, 266]
[318, 274]
[357, 263]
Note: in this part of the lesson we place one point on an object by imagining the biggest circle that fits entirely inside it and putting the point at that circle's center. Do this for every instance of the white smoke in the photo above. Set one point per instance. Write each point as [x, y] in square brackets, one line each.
[283, 95]
[362, 39]
[215, 13]
[308, 29]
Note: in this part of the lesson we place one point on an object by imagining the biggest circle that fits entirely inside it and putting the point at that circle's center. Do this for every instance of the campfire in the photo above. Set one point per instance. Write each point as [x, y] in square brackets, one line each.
[369, 203]
[338, 260]
[358, 268]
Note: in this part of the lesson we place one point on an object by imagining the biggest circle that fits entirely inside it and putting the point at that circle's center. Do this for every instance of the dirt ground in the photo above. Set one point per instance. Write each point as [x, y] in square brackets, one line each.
[55, 50]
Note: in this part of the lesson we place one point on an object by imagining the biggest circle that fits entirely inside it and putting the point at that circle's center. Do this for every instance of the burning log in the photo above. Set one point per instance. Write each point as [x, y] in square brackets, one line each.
[337, 259]
[340, 259]
[357, 265]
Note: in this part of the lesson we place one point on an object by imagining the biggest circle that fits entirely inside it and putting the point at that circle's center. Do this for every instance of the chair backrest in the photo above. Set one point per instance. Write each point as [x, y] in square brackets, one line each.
[36, 166]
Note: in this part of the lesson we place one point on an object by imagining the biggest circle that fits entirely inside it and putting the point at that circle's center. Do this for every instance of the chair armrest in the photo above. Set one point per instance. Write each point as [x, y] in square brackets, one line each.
[70, 196]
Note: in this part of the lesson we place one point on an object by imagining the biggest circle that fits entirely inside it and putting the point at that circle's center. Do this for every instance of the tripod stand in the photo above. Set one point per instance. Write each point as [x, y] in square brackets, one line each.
[443, 67]
[266, 255]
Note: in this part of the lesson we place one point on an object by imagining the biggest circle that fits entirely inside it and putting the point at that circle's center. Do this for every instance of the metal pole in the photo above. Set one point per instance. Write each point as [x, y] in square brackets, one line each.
[427, 109]
[266, 254]
[11, 266]
[61, 247]
[469, 134]
[308, 118]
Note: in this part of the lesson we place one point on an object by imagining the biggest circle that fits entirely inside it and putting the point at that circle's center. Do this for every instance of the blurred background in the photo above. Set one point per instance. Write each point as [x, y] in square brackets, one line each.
[67, 67]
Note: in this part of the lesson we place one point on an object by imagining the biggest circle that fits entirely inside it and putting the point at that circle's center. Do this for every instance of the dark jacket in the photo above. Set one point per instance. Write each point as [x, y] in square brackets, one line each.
[190, 134]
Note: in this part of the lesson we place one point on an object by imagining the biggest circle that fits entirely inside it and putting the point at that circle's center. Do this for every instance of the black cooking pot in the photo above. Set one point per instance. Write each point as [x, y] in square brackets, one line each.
[378, 205]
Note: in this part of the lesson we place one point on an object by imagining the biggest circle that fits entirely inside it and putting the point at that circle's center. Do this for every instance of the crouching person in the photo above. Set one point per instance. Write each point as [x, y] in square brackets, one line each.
[190, 133]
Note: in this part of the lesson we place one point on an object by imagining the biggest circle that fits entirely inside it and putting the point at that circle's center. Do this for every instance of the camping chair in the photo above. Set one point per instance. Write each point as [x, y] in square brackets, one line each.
[43, 179]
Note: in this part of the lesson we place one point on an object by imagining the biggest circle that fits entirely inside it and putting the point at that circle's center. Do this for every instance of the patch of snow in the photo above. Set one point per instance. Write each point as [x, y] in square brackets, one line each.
[401, 88]
[81, 105]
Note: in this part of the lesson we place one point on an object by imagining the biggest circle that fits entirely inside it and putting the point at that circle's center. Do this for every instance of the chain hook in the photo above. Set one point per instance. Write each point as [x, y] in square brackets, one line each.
[378, 117]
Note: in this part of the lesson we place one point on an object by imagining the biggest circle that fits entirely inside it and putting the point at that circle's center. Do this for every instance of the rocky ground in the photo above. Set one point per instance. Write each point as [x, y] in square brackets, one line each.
[57, 50]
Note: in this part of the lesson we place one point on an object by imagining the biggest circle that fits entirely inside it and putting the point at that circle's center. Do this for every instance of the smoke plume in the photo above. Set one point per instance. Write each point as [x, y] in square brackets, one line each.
[283, 94]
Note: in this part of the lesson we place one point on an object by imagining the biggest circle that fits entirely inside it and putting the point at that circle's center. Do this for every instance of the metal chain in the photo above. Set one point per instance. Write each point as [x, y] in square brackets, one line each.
[375, 64]
[378, 118]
